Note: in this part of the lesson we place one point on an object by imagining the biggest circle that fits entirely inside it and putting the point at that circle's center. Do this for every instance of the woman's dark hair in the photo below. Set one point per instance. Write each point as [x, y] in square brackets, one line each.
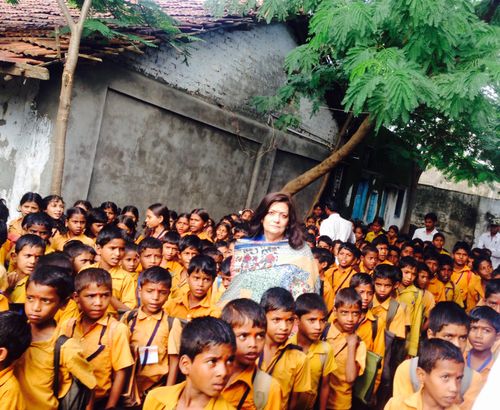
[59, 224]
[132, 209]
[292, 232]
[129, 223]
[83, 204]
[95, 215]
[159, 210]
[31, 197]
[76, 211]
[110, 205]
[202, 213]
[225, 225]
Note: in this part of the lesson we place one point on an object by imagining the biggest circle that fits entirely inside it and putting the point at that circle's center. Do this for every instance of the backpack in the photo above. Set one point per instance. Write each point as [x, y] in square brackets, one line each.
[78, 394]
[261, 387]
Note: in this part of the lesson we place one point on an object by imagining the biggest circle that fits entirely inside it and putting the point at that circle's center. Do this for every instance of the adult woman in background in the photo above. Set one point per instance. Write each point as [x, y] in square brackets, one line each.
[274, 255]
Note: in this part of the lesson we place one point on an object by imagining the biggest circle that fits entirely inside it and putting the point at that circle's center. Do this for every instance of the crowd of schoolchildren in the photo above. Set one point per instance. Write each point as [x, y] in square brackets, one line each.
[97, 315]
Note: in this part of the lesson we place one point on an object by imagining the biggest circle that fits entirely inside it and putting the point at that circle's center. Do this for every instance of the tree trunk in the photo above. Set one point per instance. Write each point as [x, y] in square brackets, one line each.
[308, 177]
[416, 172]
[63, 110]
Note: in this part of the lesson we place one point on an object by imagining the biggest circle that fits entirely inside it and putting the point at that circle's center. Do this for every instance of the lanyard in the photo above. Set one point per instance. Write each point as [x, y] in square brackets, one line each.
[151, 338]
[247, 391]
[485, 363]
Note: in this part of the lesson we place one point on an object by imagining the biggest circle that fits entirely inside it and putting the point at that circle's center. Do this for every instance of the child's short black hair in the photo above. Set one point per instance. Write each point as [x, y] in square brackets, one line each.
[369, 249]
[385, 271]
[58, 258]
[149, 243]
[461, 245]
[445, 260]
[431, 255]
[417, 242]
[307, 302]
[171, 237]
[277, 299]
[109, 233]
[322, 255]
[221, 244]
[203, 263]
[347, 297]
[477, 261]
[156, 274]
[407, 261]
[492, 288]
[38, 218]
[15, 336]
[361, 278]
[212, 251]
[350, 247]
[394, 248]
[326, 239]
[74, 248]
[487, 314]
[203, 333]
[423, 267]
[433, 350]
[55, 277]
[439, 235]
[418, 250]
[131, 247]
[380, 240]
[190, 241]
[238, 311]
[30, 240]
[447, 313]
[87, 276]
[225, 266]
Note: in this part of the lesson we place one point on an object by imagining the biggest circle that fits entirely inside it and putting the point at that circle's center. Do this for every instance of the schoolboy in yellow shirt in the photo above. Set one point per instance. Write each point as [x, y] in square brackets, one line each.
[207, 352]
[150, 330]
[348, 350]
[435, 286]
[150, 252]
[197, 301]
[280, 358]
[110, 247]
[223, 280]
[462, 274]
[80, 254]
[104, 340]
[130, 261]
[49, 287]
[39, 224]
[170, 250]
[324, 259]
[451, 292]
[28, 250]
[15, 338]
[312, 314]
[189, 247]
[440, 371]
[382, 244]
[347, 256]
[369, 259]
[483, 272]
[248, 387]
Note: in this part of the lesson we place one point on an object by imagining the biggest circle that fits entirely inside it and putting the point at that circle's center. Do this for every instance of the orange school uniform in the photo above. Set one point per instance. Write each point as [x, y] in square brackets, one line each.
[58, 241]
[10, 391]
[475, 292]
[461, 278]
[413, 402]
[181, 309]
[15, 229]
[179, 283]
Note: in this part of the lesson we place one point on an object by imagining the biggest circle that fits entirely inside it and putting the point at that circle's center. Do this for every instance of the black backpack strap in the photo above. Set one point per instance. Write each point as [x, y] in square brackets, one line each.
[290, 346]
[132, 317]
[57, 363]
[374, 329]
[101, 346]
[325, 331]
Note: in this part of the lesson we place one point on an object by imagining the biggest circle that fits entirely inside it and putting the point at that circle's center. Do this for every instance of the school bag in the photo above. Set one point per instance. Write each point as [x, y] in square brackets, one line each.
[78, 395]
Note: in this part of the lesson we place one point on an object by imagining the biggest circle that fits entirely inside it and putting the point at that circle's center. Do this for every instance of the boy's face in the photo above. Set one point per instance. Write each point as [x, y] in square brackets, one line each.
[348, 316]
[438, 242]
[444, 273]
[407, 251]
[42, 303]
[482, 336]
[153, 296]
[429, 224]
[130, 261]
[170, 251]
[279, 325]
[112, 252]
[376, 227]
[493, 301]
[485, 270]
[366, 293]
[188, 254]
[393, 257]
[423, 279]
[383, 288]
[460, 257]
[225, 251]
[312, 324]
[150, 257]
[443, 383]
[433, 265]
[346, 258]
[27, 258]
[370, 260]
[383, 251]
[409, 275]
[94, 300]
[453, 333]
[39, 230]
[249, 342]
[76, 224]
[85, 258]
[226, 280]
[209, 371]
[418, 256]
[199, 284]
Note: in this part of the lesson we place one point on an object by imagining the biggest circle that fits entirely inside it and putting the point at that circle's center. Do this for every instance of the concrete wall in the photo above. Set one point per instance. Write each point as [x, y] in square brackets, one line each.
[461, 216]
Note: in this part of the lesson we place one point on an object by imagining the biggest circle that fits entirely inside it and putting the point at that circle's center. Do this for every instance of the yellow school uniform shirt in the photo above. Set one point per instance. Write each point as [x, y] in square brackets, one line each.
[166, 398]
[236, 389]
[403, 387]
[475, 292]
[170, 265]
[218, 290]
[452, 293]
[4, 303]
[18, 294]
[180, 308]
[290, 368]
[365, 332]
[179, 286]
[364, 269]
[413, 402]
[370, 236]
[328, 295]
[4, 256]
[141, 329]
[123, 286]
[341, 279]
[461, 279]
[114, 356]
[203, 235]
[16, 229]
[58, 241]
[69, 311]
[322, 363]
[10, 391]
[340, 396]
[35, 371]
[436, 287]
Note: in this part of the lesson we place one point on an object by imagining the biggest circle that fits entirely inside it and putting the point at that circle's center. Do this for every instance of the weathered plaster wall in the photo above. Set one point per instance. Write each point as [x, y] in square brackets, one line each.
[24, 142]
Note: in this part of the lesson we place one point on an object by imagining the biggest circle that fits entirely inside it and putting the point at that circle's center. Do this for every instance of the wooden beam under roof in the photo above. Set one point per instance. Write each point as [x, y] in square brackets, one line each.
[24, 70]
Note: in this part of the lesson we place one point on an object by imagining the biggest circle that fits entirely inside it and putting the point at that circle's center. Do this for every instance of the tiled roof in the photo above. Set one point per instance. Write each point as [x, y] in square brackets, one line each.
[27, 37]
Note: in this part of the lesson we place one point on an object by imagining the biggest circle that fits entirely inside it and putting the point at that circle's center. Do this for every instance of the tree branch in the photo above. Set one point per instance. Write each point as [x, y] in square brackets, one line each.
[66, 14]
[84, 13]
